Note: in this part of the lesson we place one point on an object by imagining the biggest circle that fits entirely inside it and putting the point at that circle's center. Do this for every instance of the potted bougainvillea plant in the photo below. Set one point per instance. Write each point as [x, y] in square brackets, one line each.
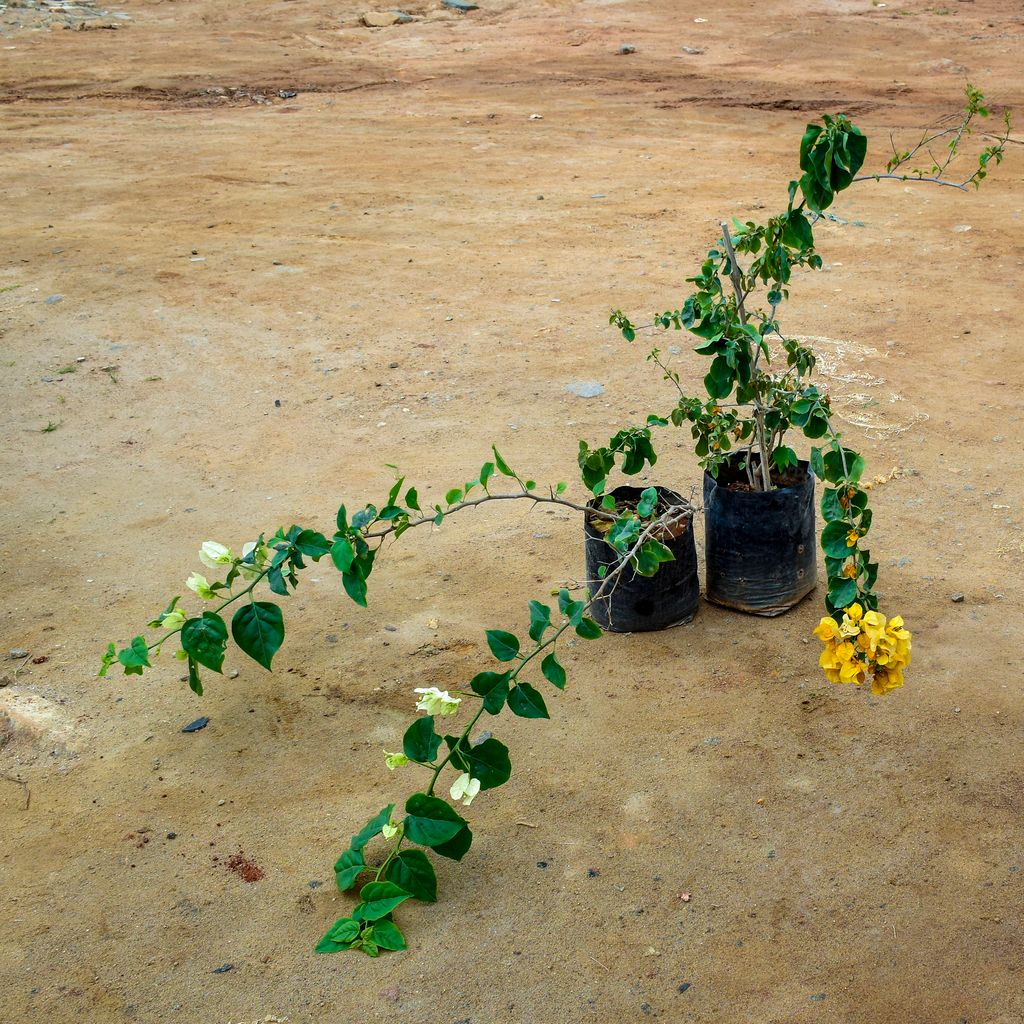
[758, 494]
[740, 428]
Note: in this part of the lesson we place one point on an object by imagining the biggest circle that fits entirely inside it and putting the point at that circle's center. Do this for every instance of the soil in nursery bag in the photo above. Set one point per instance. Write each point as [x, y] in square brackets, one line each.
[635, 603]
[760, 546]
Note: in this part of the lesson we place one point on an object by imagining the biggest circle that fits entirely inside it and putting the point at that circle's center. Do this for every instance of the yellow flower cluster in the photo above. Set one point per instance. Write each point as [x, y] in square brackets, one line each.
[864, 646]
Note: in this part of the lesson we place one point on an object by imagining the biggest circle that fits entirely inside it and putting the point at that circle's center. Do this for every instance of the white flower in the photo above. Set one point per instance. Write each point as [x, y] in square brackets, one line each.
[465, 788]
[172, 620]
[437, 702]
[390, 830]
[394, 761]
[201, 585]
[259, 560]
[213, 555]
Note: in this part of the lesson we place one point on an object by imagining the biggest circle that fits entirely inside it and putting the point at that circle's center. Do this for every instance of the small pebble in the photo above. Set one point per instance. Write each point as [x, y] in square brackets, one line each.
[172, 835]
[957, 598]
[685, 985]
[224, 969]
[277, 403]
[18, 652]
[542, 863]
[819, 998]
[53, 300]
[199, 723]
[626, 48]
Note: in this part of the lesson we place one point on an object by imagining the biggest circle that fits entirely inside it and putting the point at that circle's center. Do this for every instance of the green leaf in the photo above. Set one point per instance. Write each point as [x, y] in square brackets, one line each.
[540, 619]
[364, 517]
[387, 935]
[493, 687]
[457, 847]
[454, 495]
[830, 507]
[135, 657]
[258, 628]
[488, 761]
[588, 629]
[372, 828]
[652, 555]
[412, 499]
[275, 580]
[347, 868]
[195, 684]
[430, 821]
[572, 610]
[648, 500]
[313, 544]
[378, 900]
[784, 457]
[842, 592]
[342, 554]
[833, 540]
[553, 671]
[502, 465]
[421, 742]
[504, 646]
[342, 520]
[109, 657]
[339, 936]
[395, 488]
[526, 702]
[413, 872]
[817, 463]
[719, 379]
[355, 587]
[204, 639]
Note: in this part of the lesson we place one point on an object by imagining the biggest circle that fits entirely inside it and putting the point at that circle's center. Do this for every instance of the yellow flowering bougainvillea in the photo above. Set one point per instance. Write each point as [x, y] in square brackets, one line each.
[864, 646]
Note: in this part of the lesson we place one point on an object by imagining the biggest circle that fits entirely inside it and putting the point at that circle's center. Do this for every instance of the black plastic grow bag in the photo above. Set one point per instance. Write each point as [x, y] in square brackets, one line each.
[637, 604]
[760, 546]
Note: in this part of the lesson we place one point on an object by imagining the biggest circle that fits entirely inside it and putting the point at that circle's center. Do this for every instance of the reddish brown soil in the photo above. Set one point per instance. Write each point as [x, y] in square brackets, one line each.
[850, 860]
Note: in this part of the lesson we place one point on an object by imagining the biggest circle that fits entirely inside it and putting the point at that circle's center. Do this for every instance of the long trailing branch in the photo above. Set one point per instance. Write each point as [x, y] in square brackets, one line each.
[539, 499]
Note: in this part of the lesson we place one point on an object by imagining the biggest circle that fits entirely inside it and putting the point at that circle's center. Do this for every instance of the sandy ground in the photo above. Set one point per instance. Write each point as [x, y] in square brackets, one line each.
[206, 247]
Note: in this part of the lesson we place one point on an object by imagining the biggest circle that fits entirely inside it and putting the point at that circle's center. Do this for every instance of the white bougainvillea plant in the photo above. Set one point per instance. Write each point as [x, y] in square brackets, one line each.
[440, 743]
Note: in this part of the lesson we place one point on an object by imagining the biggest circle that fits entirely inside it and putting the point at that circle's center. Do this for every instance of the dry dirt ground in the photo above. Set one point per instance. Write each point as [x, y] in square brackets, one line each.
[374, 253]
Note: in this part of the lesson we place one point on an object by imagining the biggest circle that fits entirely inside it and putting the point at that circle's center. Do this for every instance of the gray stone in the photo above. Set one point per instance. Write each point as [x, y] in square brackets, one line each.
[585, 389]
[18, 652]
[957, 598]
